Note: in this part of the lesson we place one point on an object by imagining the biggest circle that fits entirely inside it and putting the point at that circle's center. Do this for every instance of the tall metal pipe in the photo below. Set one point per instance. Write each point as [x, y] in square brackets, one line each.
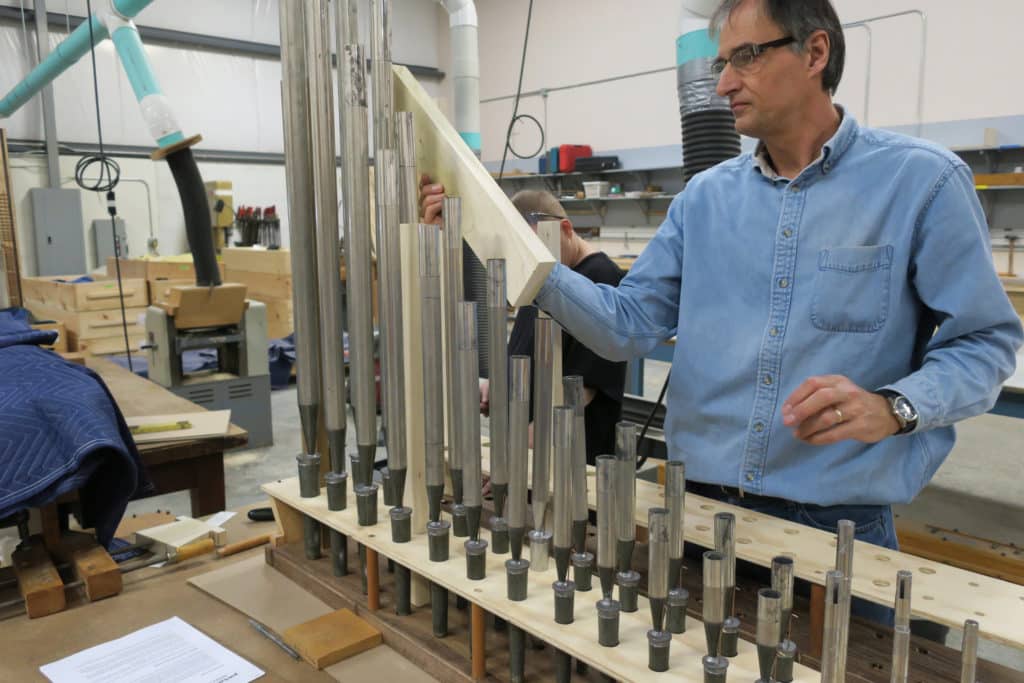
[782, 581]
[355, 156]
[452, 236]
[383, 95]
[543, 378]
[769, 630]
[607, 468]
[657, 564]
[469, 427]
[572, 387]
[321, 118]
[725, 543]
[901, 629]
[830, 636]
[518, 449]
[625, 455]
[433, 372]
[301, 211]
[969, 653]
[498, 382]
[562, 419]
[714, 599]
[845, 532]
[675, 501]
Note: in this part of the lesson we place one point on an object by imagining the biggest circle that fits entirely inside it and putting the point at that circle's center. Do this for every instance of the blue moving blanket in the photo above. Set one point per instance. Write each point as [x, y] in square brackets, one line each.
[61, 431]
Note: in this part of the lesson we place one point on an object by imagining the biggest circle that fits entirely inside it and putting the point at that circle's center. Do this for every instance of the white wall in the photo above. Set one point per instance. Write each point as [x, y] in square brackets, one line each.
[233, 101]
[968, 46]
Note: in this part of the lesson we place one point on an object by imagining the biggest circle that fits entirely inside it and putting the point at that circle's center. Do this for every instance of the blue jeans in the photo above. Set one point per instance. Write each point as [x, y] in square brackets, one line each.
[874, 524]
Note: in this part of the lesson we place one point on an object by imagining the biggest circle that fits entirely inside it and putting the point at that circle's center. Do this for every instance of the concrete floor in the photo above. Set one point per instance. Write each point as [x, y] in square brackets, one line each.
[978, 490]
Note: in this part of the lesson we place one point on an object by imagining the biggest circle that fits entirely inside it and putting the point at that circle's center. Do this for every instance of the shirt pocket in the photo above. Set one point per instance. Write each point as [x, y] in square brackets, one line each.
[851, 288]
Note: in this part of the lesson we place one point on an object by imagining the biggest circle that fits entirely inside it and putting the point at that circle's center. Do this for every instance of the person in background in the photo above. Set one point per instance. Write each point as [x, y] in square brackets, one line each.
[603, 380]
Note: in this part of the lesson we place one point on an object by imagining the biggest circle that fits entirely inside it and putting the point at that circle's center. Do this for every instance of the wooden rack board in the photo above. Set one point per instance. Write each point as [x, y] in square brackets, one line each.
[942, 594]
[491, 224]
[535, 615]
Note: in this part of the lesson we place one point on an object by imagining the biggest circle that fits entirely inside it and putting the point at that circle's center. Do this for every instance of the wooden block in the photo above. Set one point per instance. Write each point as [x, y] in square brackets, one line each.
[90, 564]
[160, 290]
[331, 638]
[100, 295]
[76, 357]
[274, 261]
[998, 179]
[104, 346]
[194, 306]
[38, 580]
[490, 223]
[61, 344]
[262, 286]
[149, 269]
[90, 324]
[129, 525]
[280, 321]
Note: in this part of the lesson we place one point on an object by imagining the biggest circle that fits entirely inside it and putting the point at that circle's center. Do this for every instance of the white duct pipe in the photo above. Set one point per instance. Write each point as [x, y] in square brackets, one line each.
[462, 20]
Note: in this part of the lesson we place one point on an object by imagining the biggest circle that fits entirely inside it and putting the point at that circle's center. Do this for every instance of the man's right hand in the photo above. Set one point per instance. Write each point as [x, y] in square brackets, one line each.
[431, 197]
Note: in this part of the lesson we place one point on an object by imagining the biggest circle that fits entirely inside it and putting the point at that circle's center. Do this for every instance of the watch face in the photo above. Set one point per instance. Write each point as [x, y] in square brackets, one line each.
[903, 409]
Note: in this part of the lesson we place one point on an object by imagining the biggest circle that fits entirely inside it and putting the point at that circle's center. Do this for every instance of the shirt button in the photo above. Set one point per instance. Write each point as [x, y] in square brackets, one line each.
[787, 233]
[783, 283]
[794, 188]
[759, 427]
[750, 476]
[774, 332]
[768, 380]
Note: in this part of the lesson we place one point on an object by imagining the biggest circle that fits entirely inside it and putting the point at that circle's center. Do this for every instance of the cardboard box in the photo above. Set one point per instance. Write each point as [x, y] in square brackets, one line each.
[100, 295]
[274, 261]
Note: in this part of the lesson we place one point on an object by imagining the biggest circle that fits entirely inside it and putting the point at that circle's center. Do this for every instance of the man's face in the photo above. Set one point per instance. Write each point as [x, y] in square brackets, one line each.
[766, 92]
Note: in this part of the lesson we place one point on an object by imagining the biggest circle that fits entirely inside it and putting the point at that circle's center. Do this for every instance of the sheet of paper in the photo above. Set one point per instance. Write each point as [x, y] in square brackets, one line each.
[220, 518]
[171, 650]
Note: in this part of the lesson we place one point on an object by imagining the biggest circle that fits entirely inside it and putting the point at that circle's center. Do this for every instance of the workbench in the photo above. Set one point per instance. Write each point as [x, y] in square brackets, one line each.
[194, 465]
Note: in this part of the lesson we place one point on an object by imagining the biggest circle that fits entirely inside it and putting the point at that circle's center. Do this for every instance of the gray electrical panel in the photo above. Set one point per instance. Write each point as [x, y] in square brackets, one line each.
[103, 240]
[60, 245]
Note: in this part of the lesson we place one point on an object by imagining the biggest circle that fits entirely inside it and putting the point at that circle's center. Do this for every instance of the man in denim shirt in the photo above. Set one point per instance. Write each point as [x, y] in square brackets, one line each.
[833, 294]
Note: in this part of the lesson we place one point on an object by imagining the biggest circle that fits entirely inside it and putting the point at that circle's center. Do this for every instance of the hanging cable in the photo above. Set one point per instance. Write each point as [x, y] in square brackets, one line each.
[107, 179]
[650, 418]
[516, 116]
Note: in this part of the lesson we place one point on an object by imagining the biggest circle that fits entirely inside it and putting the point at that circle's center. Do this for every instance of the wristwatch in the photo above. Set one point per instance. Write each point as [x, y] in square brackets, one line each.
[902, 409]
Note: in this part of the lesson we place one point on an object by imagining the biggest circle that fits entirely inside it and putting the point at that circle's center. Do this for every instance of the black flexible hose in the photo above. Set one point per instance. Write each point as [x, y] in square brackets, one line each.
[198, 227]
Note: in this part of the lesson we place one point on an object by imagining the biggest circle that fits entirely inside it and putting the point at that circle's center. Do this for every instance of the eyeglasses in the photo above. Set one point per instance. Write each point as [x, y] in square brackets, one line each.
[535, 217]
[745, 55]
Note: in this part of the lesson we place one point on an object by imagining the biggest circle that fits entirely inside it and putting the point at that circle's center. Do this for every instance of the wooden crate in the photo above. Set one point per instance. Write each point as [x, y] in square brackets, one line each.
[103, 346]
[92, 324]
[262, 286]
[159, 290]
[275, 261]
[100, 295]
[156, 270]
[61, 344]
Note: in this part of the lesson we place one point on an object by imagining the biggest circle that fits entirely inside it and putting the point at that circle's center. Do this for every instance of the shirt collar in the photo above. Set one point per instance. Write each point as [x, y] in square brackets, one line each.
[831, 152]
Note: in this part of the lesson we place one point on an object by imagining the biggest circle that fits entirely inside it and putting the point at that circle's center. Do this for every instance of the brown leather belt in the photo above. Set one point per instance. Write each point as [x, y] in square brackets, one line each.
[718, 492]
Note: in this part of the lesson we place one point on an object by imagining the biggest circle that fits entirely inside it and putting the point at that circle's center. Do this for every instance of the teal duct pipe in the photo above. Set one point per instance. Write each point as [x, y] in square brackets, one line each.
[156, 109]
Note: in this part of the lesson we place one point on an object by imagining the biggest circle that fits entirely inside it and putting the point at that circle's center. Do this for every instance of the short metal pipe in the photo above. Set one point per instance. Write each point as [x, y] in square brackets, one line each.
[769, 630]
[607, 468]
[675, 501]
[845, 533]
[439, 610]
[469, 402]
[657, 564]
[543, 378]
[901, 628]
[725, 543]
[830, 635]
[518, 448]
[969, 652]
[562, 419]
[572, 388]
[625, 454]
[713, 599]
[498, 381]
[782, 581]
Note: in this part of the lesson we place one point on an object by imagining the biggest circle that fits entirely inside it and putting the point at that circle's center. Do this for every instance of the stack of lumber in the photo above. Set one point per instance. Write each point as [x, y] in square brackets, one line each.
[159, 274]
[90, 312]
[267, 275]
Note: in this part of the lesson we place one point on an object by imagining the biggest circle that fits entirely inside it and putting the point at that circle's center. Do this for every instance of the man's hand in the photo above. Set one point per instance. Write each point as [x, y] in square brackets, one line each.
[485, 397]
[431, 197]
[831, 408]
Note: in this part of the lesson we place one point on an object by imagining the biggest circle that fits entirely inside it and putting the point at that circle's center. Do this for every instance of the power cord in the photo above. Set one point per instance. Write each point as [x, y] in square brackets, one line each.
[516, 116]
[107, 179]
[650, 418]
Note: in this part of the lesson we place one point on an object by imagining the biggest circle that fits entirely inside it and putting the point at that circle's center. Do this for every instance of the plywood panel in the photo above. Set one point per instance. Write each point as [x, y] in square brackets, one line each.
[490, 223]
[628, 661]
[942, 594]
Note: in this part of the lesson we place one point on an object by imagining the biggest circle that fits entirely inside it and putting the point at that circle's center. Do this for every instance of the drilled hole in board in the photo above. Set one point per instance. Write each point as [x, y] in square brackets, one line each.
[881, 583]
[975, 584]
[926, 570]
[819, 572]
[791, 532]
[744, 541]
[833, 543]
[477, 590]
[750, 520]
[371, 535]
[979, 614]
[707, 507]
[793, 555]
[883, 558]
[703, 527]
[927, 597]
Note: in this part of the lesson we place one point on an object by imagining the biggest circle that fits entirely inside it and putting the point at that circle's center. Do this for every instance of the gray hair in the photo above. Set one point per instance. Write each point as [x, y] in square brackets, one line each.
[799, 18]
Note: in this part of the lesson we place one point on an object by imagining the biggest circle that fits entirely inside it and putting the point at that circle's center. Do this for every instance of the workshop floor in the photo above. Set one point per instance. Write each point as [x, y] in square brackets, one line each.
[978, 490]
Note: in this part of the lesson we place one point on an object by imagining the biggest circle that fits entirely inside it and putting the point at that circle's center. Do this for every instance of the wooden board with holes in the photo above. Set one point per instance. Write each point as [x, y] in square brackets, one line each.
[490, 223]
[193, 306]
[91, 324]
[942, 594]
[160, 290]
[535, 614]
[104, 346]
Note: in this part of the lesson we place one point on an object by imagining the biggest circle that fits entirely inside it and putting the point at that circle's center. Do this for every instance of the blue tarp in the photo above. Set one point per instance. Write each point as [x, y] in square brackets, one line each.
[61, 431]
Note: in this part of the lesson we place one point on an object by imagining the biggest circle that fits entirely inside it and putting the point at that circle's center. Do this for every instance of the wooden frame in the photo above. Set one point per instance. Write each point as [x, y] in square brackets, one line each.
[535, 615]
[490, 223]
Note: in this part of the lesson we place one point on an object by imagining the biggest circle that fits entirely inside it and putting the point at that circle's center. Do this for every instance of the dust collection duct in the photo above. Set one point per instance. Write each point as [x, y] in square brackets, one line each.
[708, 126]
[462, 24]
[114, 20]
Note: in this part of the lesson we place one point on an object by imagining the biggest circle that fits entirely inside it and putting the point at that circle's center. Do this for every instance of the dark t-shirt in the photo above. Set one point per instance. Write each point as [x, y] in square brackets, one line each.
[604, 376]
